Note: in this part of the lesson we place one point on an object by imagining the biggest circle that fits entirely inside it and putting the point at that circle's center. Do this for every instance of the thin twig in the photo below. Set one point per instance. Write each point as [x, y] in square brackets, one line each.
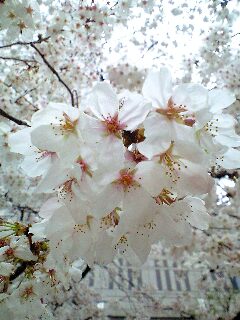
[24, 94]
[235, 35]
[18, 59]
[76, 96]
[53, 71]
[149, 48]
[23, 97]
[11, 118]
[21, 43]
[234, 216]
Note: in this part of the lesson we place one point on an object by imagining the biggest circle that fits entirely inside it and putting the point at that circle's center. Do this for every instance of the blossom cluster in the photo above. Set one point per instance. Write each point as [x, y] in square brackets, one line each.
[19, 18]
[127, 170]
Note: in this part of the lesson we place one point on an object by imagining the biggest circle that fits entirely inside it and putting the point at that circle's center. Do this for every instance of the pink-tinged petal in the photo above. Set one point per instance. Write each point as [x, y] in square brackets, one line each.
[158, 87]
[230, 159]
[220, 99]
[133, 111]
[192, 96]
[103, 101]
[20, 142]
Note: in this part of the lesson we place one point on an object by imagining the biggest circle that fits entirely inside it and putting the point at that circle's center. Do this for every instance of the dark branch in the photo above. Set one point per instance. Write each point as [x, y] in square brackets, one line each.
[150, 47]
[76, 96]
[19, 270]
[86, 271]
[11, 118]
[26, 61]
[21, 43]
[53, 71]
[24, 94]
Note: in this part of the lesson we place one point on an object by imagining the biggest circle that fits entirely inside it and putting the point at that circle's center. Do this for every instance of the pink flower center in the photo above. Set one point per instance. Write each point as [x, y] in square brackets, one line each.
[44, 154]
[126, 179]
[174, 112]
[113, 126]
[84, 166]
[66, 188]
[27, 292]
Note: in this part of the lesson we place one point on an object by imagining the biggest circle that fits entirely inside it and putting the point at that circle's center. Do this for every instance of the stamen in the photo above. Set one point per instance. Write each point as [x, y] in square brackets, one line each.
[173, 112]
[166, 197]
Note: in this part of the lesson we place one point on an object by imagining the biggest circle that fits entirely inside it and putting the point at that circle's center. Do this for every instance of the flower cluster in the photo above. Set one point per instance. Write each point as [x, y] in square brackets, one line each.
[19, 18]
[21, 257]
[128, 169]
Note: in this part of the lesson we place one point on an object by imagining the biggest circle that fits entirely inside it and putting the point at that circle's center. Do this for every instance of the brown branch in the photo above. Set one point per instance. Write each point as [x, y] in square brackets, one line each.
[11, 118]
[53, 71]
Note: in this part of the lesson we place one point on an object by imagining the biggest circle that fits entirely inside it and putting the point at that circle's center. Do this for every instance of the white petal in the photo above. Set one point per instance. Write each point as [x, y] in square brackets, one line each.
[6, 269]
[231, 159]
[158, 87]
[193, 96]
[20, 142]
[44, 138]
[138, 207]
[153, 177]
[54, 179]
[49, 207]
[158, 136]
[197, 216]
[140, 244]
[35, 168]
[194, 179]
[134, 111]
[220, 99]
[103, 101]
[106, 201]
[170, 231]
[228, 140]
